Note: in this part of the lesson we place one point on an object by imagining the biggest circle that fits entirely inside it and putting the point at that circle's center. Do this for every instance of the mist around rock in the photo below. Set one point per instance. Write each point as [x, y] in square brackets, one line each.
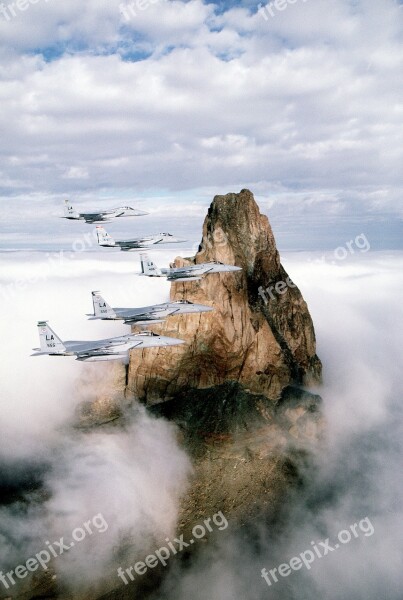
[63, 475]
[355, 475]
[61, 465]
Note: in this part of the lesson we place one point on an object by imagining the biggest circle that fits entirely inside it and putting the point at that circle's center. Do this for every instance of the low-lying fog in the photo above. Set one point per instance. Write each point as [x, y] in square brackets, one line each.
[134, 478]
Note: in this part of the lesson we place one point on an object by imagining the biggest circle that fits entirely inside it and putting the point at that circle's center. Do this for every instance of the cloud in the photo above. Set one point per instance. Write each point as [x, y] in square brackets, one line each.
[355, 306]
[185, 96]
[134, 476]
[56, 288]
[76, 173]
[55, 477]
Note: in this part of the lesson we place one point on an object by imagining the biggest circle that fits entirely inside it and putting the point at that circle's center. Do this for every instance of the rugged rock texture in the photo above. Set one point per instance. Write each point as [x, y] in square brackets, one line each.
[234, 388]
[233, 391]
[228, 415]
[264, 347]
[245, 451]
[243, 447]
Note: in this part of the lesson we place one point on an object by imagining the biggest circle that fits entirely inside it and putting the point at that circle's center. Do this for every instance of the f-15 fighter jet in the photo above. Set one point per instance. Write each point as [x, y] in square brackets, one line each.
[146, 315]
[190, 273]
[91, 351]
[104, 239]
[101, 215]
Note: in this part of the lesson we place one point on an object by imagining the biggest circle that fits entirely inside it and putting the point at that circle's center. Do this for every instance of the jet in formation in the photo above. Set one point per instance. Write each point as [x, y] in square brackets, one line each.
[104, 239]
[146, 315]
[101, 215]
[99, 350]
[190, 273]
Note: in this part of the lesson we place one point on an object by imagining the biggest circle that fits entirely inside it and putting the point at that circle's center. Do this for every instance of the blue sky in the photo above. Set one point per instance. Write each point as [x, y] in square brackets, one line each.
[169, 104]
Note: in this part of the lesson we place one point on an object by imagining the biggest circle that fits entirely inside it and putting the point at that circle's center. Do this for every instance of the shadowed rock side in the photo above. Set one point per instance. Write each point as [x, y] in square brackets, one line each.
[243, 447]
[264, 347]
[246, 451]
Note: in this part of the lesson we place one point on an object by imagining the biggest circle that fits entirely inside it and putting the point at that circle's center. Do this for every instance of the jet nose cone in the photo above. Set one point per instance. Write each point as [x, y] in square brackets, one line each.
[141, 213]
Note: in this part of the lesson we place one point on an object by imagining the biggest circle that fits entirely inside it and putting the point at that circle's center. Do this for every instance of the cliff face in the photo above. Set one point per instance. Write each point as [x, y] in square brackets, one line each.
[245, 448]
[264, 344]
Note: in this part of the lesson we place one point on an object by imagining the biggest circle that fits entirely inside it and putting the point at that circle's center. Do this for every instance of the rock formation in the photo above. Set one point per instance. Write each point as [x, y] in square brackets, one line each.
[234, 390]
[265, 347]
[244, 447]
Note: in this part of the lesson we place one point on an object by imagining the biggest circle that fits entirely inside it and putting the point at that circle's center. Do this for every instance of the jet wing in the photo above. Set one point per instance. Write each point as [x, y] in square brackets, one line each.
[139, 242]
[98, 345]
[106, 215]
[178, 271]
[144, 316]
[101, 352]
[133, 313]
[183, 278]
[152, 312]
[108, 350]
[148, 316]
[148, 339]
[192, 273]
[149, 342]
[128, 244]
[130, 321]
[148, 241]
[96, 217]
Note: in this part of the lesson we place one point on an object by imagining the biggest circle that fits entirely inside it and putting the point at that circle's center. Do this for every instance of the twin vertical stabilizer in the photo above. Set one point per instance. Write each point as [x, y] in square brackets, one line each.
[50, 342]
[148, 267]
[102, 310]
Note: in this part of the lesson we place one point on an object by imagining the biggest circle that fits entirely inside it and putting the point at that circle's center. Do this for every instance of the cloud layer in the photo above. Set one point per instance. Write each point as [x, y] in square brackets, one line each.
[184, 96]
[356, 308]
[55, 477]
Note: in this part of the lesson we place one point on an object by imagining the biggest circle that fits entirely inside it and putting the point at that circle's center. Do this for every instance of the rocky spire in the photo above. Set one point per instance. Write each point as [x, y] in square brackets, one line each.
[263, 342]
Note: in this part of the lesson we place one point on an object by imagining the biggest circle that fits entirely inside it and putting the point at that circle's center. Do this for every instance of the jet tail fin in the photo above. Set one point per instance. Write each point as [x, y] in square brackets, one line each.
[104, 239]
[102, 310]
[148, 267]
[69, 211]
[49, 341]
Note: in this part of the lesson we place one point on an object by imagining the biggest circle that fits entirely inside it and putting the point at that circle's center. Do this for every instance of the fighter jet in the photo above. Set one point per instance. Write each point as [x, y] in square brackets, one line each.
[102, 215]
[104, 239]
[146, 315]
[190, 273]
[92, 351]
